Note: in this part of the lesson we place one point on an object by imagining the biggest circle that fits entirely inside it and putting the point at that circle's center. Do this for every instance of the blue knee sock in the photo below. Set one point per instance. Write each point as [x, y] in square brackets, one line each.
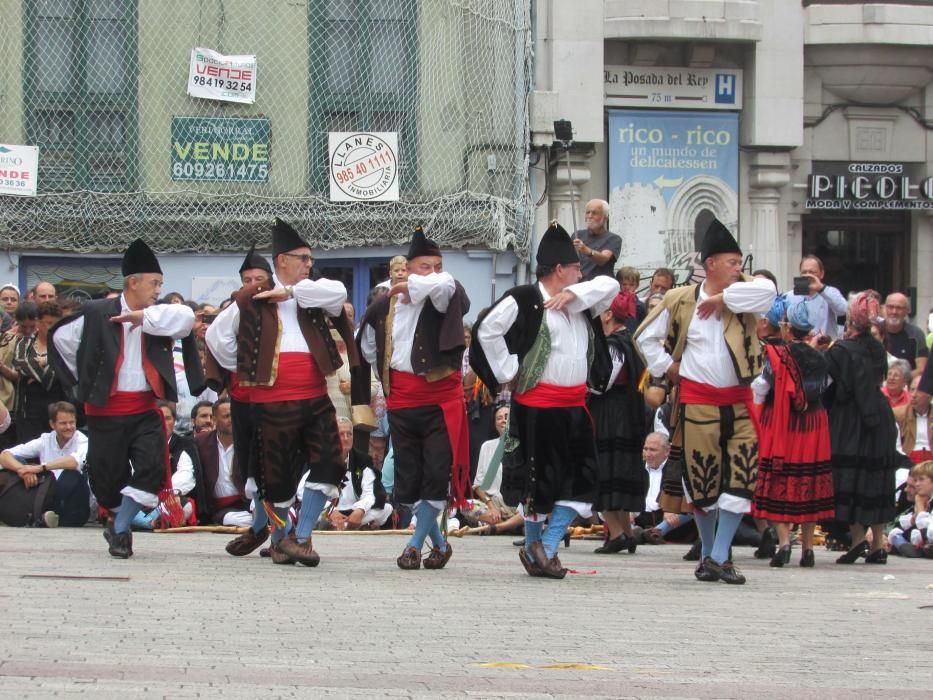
[728, 524]
[533, 530]
[146, 521]
[437, 537]
[124, 517]
[260, 517]
[706, 525]
[279, 533]
[427, 520]
[557, 524]
[312, 505]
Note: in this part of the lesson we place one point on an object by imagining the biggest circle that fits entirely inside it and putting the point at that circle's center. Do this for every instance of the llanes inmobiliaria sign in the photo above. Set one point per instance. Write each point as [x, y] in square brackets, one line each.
[19, 166]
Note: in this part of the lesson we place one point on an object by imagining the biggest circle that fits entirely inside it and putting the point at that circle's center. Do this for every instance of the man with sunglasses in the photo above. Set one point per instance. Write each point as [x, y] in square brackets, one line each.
[278, 343]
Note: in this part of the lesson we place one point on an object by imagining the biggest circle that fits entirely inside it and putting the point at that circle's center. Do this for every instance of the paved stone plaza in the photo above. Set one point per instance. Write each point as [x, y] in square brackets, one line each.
[177, 621]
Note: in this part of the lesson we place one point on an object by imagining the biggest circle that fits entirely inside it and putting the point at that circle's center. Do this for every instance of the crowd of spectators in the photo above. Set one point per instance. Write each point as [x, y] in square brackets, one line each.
[43, 483]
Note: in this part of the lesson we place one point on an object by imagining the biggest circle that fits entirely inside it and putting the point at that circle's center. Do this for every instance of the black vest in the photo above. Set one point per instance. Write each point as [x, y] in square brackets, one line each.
[101, 341]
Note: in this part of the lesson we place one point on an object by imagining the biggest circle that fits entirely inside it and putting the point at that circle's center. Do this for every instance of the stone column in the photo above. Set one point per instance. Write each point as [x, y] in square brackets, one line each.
[560, 190]
[764, 235]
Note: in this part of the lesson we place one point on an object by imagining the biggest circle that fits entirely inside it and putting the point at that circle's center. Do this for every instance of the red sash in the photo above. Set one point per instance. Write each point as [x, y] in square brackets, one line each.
[237, 392]
[918, 456]
[414, 391]
[298, 377]
[226, 501]
[124, 403]
[698, 393]
[544, 395]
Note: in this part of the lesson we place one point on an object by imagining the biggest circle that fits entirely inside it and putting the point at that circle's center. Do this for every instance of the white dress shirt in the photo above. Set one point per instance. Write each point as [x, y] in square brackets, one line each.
[439, 287]
[173, 320]
[324, 294]
[44, 449]
[224, 487]
[367, 499]
[567, 363]
[706, 355]
[183, 478]
[825, 308]
[654, 486]
[486, 451]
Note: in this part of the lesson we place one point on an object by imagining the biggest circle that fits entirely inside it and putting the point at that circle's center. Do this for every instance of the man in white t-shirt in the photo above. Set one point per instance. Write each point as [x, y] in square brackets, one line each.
[59, 454]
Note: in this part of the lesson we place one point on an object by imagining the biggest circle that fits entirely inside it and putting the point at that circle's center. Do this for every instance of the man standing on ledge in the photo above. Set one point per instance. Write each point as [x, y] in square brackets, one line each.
[703, 338]
[117, 355]
[278, 343]
[548, 338]
[414, 337]
[598, 248]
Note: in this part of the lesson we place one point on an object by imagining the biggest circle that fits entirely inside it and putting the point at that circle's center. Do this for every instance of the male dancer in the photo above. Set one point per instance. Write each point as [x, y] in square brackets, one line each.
[117, 356]
[278, 344]
[414, 336]
[548, 337]
[703, 337]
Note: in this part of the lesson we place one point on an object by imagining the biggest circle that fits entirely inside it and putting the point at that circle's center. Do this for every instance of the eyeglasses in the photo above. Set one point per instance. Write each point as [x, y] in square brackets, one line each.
[305, 258]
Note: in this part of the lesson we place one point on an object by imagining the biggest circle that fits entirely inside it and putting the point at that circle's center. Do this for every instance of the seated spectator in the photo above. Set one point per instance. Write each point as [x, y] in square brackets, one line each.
[488, 508]
[361, 503]
[895, 384]
[174, 298]
[9, 298]
[184, 464]
[202, 417]
[224, 501]
[656, 524]
[652, 301]
[915, 425]
[913, 534]
[54, 460]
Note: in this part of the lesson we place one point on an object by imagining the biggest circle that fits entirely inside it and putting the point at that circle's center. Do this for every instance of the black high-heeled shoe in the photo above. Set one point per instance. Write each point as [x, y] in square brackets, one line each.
[879, 556]
[853, 554]
[807, 559]
[781, 557]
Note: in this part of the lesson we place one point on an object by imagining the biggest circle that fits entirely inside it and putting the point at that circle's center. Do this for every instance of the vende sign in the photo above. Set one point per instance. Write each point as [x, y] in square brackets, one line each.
[214, 76]
[19, 166]
[843, 185]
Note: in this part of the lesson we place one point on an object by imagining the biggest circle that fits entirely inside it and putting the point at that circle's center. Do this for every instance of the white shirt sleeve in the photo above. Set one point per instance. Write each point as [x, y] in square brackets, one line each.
[325, 294]
[28, 450]
[491, 337]
[760, 388]
[183, 478]
[67, 339]
[174, 320]
[755, 296]
[651, 344]
[439, 286]
[618, 361]
[368, 344]
[80, 453]
[221, 337]
[596, 295]
[367, 499]
[486, 451]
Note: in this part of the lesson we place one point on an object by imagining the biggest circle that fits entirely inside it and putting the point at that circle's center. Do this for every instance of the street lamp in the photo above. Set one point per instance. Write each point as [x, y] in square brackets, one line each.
[563, 132]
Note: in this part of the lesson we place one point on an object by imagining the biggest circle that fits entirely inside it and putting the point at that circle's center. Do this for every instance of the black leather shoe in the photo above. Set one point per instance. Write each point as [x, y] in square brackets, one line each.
[768, 545]
[694, 553]
[120, 545]
[614, 546]
[853, 554]
[807, 559]
[879, 556]
[704, 574]
[724, 572]
[781, 557]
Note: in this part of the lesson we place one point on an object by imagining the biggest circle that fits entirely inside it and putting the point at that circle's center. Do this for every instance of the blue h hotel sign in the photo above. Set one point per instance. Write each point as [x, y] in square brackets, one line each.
[673, 87]
[725, 88]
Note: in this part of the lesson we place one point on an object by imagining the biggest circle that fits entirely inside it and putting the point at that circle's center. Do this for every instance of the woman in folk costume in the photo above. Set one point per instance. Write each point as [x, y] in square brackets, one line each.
[795, 477]
[862, 432]
[619, 416]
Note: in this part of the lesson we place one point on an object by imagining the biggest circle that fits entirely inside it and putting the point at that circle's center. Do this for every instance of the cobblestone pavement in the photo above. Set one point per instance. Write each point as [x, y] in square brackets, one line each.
[182, 619]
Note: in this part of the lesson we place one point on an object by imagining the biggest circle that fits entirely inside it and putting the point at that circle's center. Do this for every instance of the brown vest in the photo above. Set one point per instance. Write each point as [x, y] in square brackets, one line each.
[906, 419]
[260, 334]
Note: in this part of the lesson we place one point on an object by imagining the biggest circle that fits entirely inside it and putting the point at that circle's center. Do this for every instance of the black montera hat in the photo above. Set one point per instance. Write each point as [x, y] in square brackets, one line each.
[421, 245]
[139, 258]
[718, 240]
[254, 261]
[556, 248]
[285, 238]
